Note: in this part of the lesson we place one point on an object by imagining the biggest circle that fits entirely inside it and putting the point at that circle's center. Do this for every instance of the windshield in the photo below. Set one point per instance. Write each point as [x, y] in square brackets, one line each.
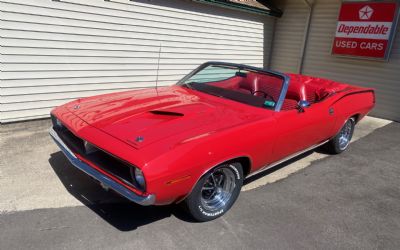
[237, 82]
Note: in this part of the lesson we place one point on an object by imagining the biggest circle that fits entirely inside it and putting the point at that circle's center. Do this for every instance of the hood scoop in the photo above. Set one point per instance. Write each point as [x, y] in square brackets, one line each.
[167, 113]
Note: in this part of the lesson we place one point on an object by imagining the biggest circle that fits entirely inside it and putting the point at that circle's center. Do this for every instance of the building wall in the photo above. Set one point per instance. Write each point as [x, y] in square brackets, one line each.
[288, 37]
[56, 51]
[383, 76]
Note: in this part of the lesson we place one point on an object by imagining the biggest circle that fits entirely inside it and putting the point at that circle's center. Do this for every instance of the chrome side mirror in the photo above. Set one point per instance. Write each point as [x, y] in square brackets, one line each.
[302, 104]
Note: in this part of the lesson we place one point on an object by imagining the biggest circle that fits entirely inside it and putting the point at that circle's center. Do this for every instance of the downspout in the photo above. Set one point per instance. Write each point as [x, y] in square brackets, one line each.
[268, 61]
[305, 37]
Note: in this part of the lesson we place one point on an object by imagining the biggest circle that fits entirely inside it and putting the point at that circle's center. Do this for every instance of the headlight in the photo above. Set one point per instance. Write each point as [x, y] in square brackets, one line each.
[139, 178]
[89, 148]
[58, 123]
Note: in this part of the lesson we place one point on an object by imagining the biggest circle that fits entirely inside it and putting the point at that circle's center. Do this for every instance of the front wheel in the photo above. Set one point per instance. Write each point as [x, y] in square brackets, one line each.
[341, 141]
[215, 192]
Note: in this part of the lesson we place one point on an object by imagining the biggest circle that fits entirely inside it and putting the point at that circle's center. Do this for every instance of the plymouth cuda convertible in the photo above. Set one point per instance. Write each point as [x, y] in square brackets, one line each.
[196, 141]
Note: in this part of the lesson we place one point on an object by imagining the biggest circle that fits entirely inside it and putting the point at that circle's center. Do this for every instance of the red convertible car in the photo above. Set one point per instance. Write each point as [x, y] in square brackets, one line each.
[195, 142]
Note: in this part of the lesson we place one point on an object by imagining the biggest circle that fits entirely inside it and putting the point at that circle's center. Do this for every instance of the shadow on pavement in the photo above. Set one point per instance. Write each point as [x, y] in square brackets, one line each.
[277, 167]
[116, 210]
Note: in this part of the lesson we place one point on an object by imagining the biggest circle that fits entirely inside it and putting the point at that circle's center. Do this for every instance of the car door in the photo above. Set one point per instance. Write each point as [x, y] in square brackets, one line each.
[297, 131]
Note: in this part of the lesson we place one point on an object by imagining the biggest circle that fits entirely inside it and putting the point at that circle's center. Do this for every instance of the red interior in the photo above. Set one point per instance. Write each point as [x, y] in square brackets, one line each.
[253, 83]
[312, 89]
[300, 87]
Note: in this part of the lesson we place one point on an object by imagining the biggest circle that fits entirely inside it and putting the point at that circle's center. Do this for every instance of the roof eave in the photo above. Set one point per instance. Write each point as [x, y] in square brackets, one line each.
[273, 11]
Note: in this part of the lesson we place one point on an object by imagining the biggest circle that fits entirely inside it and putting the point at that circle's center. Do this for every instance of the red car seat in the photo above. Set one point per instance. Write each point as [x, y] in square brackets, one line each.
[248, 84]
[258, 84]
[298, 90]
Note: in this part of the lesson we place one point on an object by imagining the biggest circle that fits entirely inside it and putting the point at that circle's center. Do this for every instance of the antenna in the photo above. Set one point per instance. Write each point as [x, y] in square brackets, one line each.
[158, 65]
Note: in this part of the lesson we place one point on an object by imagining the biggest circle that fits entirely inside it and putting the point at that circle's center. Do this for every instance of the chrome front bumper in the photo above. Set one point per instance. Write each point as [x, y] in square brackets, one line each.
[142, 200]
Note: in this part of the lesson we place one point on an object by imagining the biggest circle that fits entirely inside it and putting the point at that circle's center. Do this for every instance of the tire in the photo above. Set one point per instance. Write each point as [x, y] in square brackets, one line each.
[215, 192]
[341, 141]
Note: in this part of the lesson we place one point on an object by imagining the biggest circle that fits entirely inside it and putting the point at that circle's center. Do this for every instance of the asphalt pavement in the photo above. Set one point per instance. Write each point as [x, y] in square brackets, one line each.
[347, 201]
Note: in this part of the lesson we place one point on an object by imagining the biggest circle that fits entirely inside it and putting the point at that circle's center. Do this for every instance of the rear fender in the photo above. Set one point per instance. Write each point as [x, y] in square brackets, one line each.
[353, 103]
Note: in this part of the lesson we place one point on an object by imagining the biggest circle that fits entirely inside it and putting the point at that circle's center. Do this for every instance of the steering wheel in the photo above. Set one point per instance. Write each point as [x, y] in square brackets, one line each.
[265, 94]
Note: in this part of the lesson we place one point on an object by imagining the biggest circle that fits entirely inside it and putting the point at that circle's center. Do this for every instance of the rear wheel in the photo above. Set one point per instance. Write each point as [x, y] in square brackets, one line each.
[215, 192]
[341, 141]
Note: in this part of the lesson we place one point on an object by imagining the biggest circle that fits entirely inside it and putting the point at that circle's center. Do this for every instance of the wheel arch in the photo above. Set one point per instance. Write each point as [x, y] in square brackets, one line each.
[245, 161]
[357, 117]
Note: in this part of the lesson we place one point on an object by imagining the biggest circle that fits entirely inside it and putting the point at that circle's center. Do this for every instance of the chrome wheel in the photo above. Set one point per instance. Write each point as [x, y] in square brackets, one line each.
[217, 189]
[215, 192]
[346, 133]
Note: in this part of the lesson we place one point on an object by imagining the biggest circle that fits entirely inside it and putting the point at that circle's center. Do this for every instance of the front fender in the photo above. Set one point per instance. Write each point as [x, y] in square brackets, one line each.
[173, 175]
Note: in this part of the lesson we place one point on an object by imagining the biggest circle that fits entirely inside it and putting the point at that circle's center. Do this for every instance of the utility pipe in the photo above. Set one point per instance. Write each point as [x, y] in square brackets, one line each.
[305, 37]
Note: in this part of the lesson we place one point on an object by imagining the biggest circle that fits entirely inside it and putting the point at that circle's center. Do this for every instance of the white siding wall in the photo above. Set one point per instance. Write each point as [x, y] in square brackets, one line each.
[56, 51]
[383, 76]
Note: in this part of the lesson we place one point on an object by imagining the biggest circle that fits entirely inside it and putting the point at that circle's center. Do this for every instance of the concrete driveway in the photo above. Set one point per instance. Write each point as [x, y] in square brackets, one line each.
[316, 201]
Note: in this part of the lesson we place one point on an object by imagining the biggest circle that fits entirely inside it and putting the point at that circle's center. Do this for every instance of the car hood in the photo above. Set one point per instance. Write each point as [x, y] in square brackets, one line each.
[143, 117]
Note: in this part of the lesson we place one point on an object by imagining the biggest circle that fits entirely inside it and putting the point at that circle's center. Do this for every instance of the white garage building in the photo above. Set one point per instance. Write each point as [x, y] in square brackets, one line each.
[56, 51]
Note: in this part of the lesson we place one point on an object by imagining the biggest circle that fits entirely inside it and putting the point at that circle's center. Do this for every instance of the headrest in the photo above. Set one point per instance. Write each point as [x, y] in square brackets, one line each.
[296, 90]
[249, 82]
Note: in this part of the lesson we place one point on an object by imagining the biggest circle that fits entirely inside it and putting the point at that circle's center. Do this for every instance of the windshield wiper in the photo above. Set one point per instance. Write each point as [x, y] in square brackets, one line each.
[211, 90]
[214, 94]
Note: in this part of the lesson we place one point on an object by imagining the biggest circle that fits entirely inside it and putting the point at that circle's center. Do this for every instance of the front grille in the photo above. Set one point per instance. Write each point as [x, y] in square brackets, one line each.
[112, 165]
[100, 158]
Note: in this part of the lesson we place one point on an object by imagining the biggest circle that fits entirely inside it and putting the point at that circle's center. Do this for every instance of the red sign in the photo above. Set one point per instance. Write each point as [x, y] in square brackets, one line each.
[365, 29]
